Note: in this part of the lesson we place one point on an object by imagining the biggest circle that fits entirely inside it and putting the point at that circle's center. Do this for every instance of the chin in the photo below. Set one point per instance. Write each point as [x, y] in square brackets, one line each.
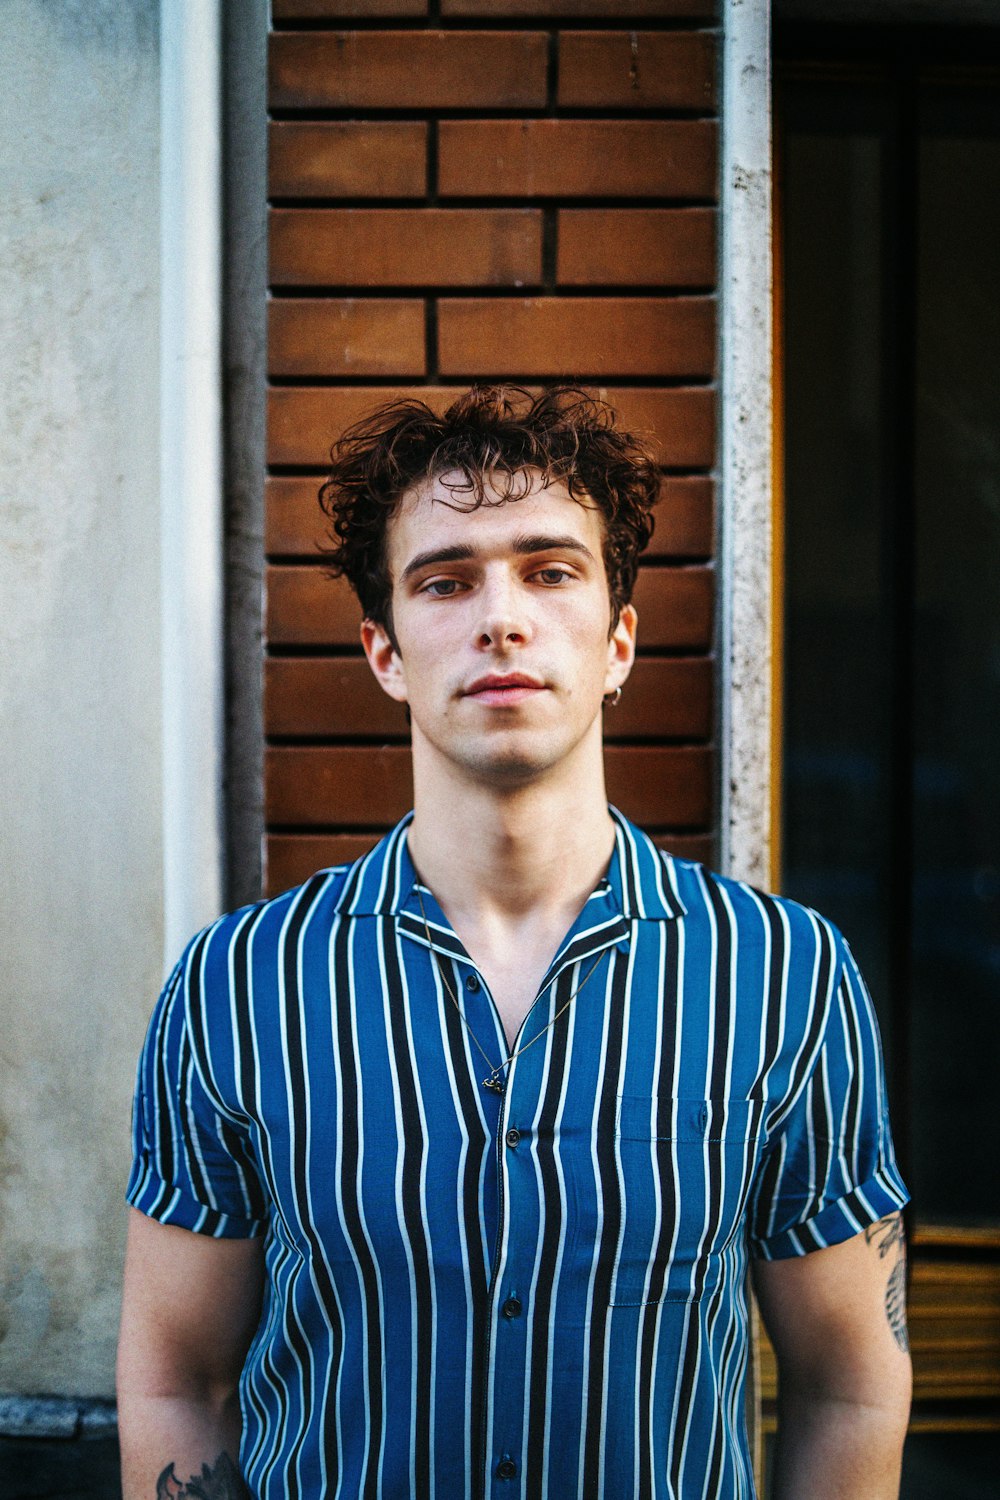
[512, 765]
[512, 770]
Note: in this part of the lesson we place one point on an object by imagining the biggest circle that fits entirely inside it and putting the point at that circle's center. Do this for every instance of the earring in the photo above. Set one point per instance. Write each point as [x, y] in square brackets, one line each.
[612, 700]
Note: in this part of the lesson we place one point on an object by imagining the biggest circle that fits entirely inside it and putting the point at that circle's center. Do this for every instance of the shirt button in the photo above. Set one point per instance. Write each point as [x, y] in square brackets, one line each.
[506, 1469]
[512, 1137]
[472, 982]
[511, 1308]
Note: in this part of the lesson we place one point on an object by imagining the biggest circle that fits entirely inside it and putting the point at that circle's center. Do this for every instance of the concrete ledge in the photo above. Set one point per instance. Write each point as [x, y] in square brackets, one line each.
[56, 1417]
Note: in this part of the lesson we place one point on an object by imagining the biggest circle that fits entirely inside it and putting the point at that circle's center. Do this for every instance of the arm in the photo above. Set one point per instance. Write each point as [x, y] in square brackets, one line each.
[837, 1319]
[190, 1308]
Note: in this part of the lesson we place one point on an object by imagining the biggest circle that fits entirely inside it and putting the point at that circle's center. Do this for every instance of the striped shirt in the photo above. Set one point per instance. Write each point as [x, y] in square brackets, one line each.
[539, 1294]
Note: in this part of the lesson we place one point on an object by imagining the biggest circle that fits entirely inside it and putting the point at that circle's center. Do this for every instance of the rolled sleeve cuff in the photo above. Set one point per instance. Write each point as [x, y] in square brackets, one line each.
[837, 1221]
[169, 1204]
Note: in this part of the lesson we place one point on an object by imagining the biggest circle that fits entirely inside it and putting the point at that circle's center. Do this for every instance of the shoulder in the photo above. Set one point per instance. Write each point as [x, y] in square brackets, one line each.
[250, 943]
[267, 920]
[747, 908]
[224, 1001]
[718, 906]
[777, 952]
[248, 954]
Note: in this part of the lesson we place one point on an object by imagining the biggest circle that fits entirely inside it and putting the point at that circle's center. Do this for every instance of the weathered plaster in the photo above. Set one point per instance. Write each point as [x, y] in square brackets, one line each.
[80, 930]
[745, 542]
[191, 468]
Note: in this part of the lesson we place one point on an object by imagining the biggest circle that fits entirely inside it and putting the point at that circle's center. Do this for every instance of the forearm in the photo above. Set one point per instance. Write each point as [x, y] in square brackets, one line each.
[837, 1319]
[834, 1449]
[178, 1446]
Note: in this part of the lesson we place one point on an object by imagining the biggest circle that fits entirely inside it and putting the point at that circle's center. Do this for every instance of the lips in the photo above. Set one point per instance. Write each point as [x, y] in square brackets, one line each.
[503, 689]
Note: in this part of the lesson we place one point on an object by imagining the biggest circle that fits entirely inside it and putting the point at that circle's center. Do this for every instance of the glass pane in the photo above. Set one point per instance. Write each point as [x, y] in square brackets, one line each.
[955, 1041]
[837, 622]
[951, 1466]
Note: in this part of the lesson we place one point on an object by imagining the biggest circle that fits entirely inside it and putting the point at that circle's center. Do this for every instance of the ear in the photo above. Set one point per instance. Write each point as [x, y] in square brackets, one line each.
[621, 649]
[384, 659]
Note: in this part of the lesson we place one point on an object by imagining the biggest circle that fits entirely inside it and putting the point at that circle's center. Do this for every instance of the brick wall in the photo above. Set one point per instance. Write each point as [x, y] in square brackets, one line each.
[486, 189]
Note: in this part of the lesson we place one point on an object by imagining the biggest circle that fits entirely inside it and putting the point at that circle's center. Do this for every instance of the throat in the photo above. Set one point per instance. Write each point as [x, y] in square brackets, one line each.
[514, 963]
[513, 1001]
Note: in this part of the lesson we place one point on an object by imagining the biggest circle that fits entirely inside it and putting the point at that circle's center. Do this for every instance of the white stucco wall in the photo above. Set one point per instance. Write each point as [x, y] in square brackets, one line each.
[80, 767]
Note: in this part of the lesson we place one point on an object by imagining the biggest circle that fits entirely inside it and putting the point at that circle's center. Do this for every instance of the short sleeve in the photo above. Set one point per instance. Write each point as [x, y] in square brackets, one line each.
[192, 1165]
[830, 1169]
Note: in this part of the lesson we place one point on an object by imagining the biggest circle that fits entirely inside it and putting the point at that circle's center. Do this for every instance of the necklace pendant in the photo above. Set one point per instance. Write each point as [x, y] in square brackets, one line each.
[493, 1082]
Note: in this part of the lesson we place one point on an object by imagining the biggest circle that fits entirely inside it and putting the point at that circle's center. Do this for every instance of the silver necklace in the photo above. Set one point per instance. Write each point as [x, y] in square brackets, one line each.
[496, 1078]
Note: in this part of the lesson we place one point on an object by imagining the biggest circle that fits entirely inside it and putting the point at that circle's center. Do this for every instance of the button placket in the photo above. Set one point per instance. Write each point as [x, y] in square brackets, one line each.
[516, 1257]
[486, 1044]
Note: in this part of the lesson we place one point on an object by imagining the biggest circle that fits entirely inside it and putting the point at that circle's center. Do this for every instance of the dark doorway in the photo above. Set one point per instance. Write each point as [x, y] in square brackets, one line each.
[888, 171]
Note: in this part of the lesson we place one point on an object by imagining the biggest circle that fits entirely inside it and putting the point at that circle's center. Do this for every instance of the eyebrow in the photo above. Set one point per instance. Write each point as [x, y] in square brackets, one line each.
[523, 546]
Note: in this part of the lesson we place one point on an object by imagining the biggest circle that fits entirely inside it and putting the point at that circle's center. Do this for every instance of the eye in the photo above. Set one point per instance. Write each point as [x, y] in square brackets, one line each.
[441, 588]
[553, 575]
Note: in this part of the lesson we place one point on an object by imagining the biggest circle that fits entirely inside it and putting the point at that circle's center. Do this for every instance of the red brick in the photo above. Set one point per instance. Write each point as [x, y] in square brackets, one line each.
[317, 696]
[698, 847]
[408, 69]
[406, 246]
[290, 858]
[343, 10]
[675, 608]
[685, 519]
[345, 336]
[295, 526]
[576, 336]
[662, 785]
[347, 159]
[345, 786]
[679, 422]
[624, 10]
[668, 698]
[328, 696]
[577, 158]
[359, 787]
[302, 421]
[636, 247]
[636, 70]
[305, 607]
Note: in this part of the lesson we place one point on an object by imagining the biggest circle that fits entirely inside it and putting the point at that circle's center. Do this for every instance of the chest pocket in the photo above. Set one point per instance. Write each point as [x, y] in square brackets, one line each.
[685, 1170]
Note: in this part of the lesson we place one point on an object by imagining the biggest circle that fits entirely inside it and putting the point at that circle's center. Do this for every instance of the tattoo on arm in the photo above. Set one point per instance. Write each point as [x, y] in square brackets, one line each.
[888, 1234]
[218, 1481]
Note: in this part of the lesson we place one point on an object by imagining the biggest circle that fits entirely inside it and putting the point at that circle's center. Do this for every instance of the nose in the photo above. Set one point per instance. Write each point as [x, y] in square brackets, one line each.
[503, 620]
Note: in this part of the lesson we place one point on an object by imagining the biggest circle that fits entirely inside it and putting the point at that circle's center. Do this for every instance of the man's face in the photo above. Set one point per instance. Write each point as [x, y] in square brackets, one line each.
[501, 618]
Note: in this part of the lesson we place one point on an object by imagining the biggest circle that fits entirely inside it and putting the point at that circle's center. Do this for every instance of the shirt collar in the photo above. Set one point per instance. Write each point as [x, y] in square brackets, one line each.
[641, 882]
[601, 924]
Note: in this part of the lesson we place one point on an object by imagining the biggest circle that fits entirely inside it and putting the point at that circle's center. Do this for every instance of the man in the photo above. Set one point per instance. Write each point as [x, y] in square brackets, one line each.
[450, 1164]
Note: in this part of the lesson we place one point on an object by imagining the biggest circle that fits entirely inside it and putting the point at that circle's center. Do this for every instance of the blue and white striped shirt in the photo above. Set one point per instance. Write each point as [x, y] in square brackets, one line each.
[540, 1294]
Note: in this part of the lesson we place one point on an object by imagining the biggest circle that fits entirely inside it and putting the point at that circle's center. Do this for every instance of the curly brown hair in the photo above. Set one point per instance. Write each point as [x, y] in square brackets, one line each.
[491, 435]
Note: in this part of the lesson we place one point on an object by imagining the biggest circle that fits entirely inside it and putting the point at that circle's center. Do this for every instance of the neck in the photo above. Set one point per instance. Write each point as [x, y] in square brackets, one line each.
[507, 854]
